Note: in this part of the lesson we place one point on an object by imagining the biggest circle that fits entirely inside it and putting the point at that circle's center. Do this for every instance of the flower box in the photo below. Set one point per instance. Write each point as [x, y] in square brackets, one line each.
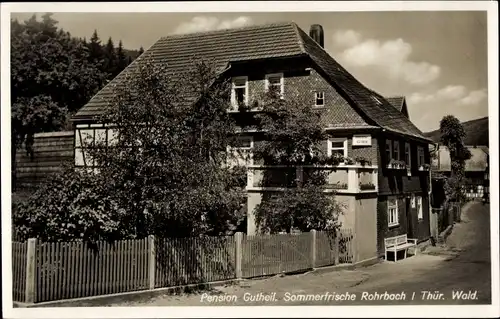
[424, 168]
[393, 164]
[367, 186]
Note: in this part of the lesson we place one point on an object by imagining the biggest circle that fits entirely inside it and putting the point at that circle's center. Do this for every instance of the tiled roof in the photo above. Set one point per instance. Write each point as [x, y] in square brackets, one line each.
[396, 101]
[262, 42]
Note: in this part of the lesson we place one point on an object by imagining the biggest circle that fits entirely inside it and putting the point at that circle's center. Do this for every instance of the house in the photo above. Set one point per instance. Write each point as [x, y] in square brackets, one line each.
[476, 170]
[386, 196]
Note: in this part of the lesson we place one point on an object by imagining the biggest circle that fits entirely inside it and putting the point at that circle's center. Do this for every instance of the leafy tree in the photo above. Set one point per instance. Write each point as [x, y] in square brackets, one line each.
[452, 136]
[164, 172]
[293, 134]
[50, 79]
[141, 51]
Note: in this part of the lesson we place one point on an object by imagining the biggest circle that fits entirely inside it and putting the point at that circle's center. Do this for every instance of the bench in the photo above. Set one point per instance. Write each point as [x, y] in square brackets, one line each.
[398, 243]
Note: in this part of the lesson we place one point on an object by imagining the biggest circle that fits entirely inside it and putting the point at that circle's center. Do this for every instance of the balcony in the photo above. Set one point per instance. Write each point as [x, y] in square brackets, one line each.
[347, 179]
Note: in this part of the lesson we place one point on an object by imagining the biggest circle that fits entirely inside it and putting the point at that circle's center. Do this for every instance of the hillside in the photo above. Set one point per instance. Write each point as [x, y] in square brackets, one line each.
[477, 132]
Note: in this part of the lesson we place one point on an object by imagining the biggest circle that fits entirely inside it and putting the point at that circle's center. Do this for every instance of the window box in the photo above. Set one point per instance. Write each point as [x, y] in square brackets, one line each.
[366, 186]
[424, 168]
[362, 161]
[397, 165]
[337, 186]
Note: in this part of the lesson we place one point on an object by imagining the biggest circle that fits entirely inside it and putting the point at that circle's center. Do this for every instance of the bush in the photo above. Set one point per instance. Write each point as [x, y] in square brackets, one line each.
[69, 206]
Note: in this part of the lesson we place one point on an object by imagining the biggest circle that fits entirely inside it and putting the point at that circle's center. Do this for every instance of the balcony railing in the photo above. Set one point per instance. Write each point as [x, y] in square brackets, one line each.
[341, 179]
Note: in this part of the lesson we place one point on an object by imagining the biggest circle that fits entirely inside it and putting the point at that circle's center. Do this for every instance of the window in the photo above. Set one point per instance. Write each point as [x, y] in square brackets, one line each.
[420, 209]
[407, 154]
[337, 146]
[240, 151]
[319, 98]
[388, 150]
[396, 150]
[91, 135]
[276, 81]
[420, 153]
[392, 212]
[239, 92]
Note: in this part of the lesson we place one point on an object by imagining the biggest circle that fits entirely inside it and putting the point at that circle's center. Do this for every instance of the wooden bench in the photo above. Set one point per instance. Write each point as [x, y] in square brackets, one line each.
[398, 243]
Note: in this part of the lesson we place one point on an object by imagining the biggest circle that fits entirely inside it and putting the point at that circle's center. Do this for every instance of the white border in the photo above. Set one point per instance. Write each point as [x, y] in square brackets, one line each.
[345, 311]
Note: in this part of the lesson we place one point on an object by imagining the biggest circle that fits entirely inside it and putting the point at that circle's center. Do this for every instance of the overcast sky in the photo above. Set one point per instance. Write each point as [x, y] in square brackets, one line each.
[438, 60]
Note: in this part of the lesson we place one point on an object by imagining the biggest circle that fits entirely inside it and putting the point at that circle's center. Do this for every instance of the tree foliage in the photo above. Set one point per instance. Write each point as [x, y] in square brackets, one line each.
[293, 136]
[164, 172]
[452, 136]
[52, 76]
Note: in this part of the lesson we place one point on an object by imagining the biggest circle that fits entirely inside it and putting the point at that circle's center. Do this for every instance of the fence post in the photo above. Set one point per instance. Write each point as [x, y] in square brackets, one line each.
[337, 248]
[313, 248]
[152, 261]
[238, 254]
[30, 271]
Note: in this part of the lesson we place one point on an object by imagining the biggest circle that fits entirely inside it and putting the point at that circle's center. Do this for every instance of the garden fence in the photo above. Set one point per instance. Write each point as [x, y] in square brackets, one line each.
[48, 271]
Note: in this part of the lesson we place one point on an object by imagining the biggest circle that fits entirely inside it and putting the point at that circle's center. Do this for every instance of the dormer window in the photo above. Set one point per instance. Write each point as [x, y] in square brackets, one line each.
[319, 97]
[239, 93]
[275, 81]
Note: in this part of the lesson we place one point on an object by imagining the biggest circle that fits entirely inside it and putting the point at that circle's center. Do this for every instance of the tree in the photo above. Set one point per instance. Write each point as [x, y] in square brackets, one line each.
[164, 172]
[293, 133]
[122, 59]
[96, 52]
[50, 79]
[141, 51]
[110, 59]
[452, 136]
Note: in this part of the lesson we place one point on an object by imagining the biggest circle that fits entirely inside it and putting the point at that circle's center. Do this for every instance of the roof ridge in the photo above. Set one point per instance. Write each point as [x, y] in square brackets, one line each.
[296, 28]
[243, 28]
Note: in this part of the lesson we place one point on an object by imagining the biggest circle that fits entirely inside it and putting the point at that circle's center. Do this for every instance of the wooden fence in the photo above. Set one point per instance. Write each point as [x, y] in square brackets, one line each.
[65, 270]
[19, 253]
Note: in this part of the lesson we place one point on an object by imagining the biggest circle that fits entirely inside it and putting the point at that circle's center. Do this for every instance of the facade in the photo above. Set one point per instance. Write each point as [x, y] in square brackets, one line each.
[476, 170]
[385, 185]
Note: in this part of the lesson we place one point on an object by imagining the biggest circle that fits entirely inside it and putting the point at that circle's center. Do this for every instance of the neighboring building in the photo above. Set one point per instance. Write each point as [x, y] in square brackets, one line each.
[476, 170]
[381, 199]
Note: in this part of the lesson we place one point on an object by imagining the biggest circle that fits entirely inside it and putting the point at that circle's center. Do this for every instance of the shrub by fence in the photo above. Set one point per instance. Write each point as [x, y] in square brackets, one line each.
[449, 213]
[65, 270]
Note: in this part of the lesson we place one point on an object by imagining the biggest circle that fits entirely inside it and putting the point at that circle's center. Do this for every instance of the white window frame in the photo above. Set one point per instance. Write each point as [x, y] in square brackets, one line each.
[420, 208]
[408, 152]
[320, 95]
[392, 212]
[337, 139]
[249, 149]
[396, 150]
[282, 82]
[234, 103]
[420, 156]
[80, 146]
[388, 143]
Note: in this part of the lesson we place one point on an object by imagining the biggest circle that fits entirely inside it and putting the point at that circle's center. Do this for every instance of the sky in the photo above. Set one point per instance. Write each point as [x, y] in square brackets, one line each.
[437, 60]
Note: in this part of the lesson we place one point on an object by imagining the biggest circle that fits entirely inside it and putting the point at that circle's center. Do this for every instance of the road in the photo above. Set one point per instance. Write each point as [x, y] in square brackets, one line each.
[463, 265]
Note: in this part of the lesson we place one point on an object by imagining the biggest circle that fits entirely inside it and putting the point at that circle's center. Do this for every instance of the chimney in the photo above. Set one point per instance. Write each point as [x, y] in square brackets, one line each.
[317, 34]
